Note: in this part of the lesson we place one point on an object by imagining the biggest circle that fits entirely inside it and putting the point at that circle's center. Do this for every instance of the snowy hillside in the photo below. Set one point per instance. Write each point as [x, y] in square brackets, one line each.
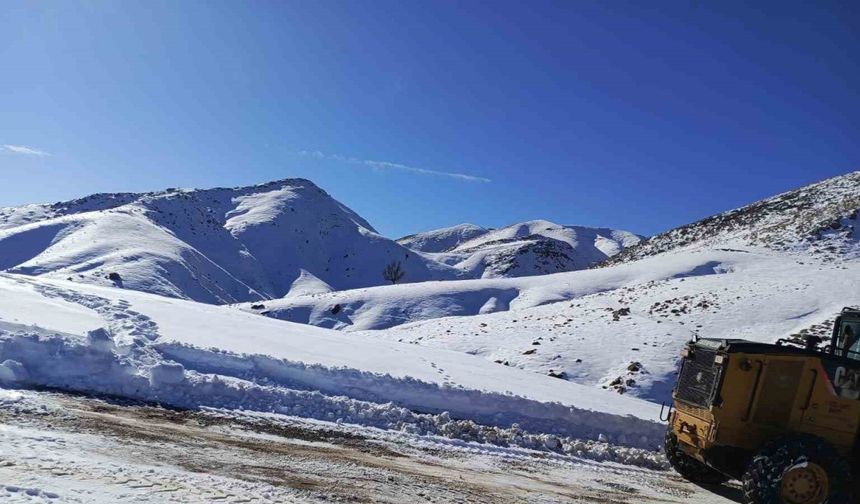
[628, 338]
[388, 306]
[530, 248]
[620, 327]
[622, 323]
[186, 354]
[215, 245]
[788, 264]
[820, 219]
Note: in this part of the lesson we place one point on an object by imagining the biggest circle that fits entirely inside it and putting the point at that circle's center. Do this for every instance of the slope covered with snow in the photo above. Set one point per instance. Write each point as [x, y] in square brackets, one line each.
[759, 275]
[187, 354]
[619, 327]
[819, 219]
[216, 245]
[628, 338]
[529, 248]
[388, 306]
[442, 240]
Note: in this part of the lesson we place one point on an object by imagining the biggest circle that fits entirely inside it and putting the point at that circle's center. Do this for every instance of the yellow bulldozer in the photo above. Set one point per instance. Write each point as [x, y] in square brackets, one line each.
[782, 418]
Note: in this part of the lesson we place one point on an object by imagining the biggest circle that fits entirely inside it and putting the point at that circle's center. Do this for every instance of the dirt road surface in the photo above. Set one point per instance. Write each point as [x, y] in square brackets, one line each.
[63, 448]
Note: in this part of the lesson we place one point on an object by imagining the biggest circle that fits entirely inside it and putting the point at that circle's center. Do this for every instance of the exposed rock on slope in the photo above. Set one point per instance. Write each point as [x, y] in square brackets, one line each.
[821, 218]
[530, 248]
[215, 245]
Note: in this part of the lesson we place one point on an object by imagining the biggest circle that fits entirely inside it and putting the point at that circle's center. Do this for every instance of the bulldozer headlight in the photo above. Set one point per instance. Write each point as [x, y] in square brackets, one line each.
[719, 359]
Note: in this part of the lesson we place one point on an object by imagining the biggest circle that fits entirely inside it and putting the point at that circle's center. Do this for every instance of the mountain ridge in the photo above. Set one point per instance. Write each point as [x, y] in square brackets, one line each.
[823, 221]
[216, 245]
[535, 247]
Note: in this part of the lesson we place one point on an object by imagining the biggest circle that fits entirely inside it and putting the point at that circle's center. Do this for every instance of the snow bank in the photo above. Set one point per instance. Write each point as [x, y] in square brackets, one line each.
[194, 355]
[69, 363]
[477, 405]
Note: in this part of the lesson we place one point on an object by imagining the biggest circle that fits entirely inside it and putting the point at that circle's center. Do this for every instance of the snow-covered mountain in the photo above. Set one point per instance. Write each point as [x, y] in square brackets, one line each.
[820, 219]
[442, 240]
[781, 267]
[215, 245]
[536, 247]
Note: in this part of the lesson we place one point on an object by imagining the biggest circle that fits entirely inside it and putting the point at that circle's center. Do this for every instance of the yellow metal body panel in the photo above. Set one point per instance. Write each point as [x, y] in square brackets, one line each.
[763, 397]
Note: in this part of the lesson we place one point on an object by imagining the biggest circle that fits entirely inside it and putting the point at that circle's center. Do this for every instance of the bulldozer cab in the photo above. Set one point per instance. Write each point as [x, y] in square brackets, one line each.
[846, 335]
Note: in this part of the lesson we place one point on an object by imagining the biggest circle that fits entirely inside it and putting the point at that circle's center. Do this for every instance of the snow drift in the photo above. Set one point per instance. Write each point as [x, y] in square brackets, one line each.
[190, 354]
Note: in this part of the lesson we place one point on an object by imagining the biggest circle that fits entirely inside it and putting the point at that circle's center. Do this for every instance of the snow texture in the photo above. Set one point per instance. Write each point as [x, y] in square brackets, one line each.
[193, 355]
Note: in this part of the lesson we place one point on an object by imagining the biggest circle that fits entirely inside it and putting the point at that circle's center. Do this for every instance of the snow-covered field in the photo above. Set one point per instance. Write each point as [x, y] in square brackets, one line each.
[388, 306]
[628, 339]
[598, 326]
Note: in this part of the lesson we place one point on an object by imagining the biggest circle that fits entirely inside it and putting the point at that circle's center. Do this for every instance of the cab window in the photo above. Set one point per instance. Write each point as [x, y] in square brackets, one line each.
[848, 340]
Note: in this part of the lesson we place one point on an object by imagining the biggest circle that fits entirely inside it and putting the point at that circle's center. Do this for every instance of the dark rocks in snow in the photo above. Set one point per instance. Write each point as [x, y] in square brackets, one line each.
[258, 306]
[622, 384]
[559, 374]
[530, 352]
[621, 312]
[335, 309]
[115, 278]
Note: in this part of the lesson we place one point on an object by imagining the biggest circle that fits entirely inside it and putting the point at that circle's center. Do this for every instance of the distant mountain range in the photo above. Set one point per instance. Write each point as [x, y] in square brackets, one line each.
[536, 247]
[214, 245]
[267, 241]
[289, 238]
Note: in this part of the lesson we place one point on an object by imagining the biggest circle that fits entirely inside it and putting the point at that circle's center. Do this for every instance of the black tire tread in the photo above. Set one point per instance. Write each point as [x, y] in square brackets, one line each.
[763, 477]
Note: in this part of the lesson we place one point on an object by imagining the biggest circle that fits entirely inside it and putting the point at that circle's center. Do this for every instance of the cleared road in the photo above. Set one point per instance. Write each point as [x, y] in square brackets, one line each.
[61, 448]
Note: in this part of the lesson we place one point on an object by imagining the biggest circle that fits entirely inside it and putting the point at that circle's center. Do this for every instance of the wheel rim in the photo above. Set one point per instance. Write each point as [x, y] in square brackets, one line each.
[805, 484]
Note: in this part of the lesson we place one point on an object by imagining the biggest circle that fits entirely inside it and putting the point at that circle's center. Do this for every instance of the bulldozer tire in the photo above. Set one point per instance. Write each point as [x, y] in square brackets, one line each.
[688, 467]
[800, 469]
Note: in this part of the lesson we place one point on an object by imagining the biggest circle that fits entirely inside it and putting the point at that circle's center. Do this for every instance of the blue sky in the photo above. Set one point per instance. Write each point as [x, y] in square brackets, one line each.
[422, 114]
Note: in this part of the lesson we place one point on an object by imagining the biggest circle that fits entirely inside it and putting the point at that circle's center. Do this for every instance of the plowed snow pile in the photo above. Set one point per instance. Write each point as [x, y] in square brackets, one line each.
[186, 354]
